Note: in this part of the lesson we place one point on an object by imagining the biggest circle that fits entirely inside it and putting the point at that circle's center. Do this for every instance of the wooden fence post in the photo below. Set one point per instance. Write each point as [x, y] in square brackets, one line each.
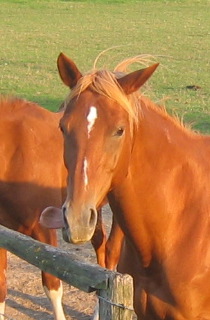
[116, 302]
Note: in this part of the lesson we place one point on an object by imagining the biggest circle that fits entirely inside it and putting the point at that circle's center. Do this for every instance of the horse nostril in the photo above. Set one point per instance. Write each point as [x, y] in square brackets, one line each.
[92, 220]
[64, 217]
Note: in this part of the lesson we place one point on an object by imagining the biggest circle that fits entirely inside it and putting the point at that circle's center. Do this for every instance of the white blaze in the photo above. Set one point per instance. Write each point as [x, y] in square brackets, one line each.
[91, 118]
[85, 172]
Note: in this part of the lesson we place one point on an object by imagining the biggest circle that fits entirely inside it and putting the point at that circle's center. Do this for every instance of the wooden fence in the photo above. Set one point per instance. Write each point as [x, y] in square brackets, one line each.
[115, 291]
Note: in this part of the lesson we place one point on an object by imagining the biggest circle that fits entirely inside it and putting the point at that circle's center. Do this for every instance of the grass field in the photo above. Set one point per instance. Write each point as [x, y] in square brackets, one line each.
[33, 33]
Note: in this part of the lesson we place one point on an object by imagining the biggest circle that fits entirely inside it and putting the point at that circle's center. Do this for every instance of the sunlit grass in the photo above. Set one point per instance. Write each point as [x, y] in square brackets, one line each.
[33, 33]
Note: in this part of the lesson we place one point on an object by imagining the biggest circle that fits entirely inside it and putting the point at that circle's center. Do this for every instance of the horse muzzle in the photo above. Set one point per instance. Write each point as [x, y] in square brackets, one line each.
[79, 225]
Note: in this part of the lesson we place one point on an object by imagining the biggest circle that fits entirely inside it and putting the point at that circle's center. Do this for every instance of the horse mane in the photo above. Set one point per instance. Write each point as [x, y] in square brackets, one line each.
[12, 103]
[105, 83]
[174, 119]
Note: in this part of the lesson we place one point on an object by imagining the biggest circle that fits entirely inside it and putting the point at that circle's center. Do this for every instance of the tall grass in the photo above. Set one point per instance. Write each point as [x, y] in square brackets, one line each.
[33, 33]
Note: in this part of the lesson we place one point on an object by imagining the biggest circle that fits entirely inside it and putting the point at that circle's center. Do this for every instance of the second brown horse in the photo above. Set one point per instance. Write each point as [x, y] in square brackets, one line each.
[32, 177]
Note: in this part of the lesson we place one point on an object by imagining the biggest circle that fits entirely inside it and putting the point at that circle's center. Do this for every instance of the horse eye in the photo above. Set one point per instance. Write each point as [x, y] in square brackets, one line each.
[119, 132]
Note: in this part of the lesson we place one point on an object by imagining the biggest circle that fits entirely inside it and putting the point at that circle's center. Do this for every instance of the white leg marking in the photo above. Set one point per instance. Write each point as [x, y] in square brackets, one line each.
[56, 299]
[96, 312]
[91, 118]
[2, 310]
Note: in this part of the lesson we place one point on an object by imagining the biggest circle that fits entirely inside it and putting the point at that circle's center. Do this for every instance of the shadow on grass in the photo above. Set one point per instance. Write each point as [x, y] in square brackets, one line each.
[199, 121]
[49, 103]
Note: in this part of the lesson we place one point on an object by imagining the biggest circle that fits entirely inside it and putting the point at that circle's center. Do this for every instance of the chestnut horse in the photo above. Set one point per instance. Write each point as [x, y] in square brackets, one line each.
[32, 177]
[156, 175]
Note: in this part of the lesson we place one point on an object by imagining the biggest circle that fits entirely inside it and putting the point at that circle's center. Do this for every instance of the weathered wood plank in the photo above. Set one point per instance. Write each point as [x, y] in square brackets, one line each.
[53, 260]
[115, 290]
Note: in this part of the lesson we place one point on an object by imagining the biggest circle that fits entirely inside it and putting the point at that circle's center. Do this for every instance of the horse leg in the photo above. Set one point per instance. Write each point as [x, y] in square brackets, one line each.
[113, 246]
[52, 285]
[129, 263]
[107, 251]
[99, 244]
[3, 285]
[99, 240]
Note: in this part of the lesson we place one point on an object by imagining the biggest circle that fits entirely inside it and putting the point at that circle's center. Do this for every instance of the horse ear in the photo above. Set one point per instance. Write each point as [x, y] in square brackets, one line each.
[68, 71]
[134, 80]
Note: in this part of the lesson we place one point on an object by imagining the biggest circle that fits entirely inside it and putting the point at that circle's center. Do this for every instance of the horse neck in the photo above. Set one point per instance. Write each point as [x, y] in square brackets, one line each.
[159, 127]
[163, 140]
[154, 190]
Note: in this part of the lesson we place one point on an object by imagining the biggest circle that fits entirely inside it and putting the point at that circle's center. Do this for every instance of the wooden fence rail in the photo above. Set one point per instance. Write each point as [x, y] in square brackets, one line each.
[115, 291]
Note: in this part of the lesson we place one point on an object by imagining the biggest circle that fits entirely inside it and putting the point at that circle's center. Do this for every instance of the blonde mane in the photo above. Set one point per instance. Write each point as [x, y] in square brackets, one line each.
[105, 83]
[12, 103]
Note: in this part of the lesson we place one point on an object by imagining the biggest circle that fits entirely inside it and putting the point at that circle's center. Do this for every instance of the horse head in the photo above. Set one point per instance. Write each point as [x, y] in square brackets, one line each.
[98, 126]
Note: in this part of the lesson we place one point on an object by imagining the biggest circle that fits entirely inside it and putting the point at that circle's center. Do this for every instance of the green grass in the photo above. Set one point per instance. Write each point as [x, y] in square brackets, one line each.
[33, 33]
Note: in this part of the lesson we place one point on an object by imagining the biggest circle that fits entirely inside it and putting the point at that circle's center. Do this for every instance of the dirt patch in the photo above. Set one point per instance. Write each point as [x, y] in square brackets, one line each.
[26, 299]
